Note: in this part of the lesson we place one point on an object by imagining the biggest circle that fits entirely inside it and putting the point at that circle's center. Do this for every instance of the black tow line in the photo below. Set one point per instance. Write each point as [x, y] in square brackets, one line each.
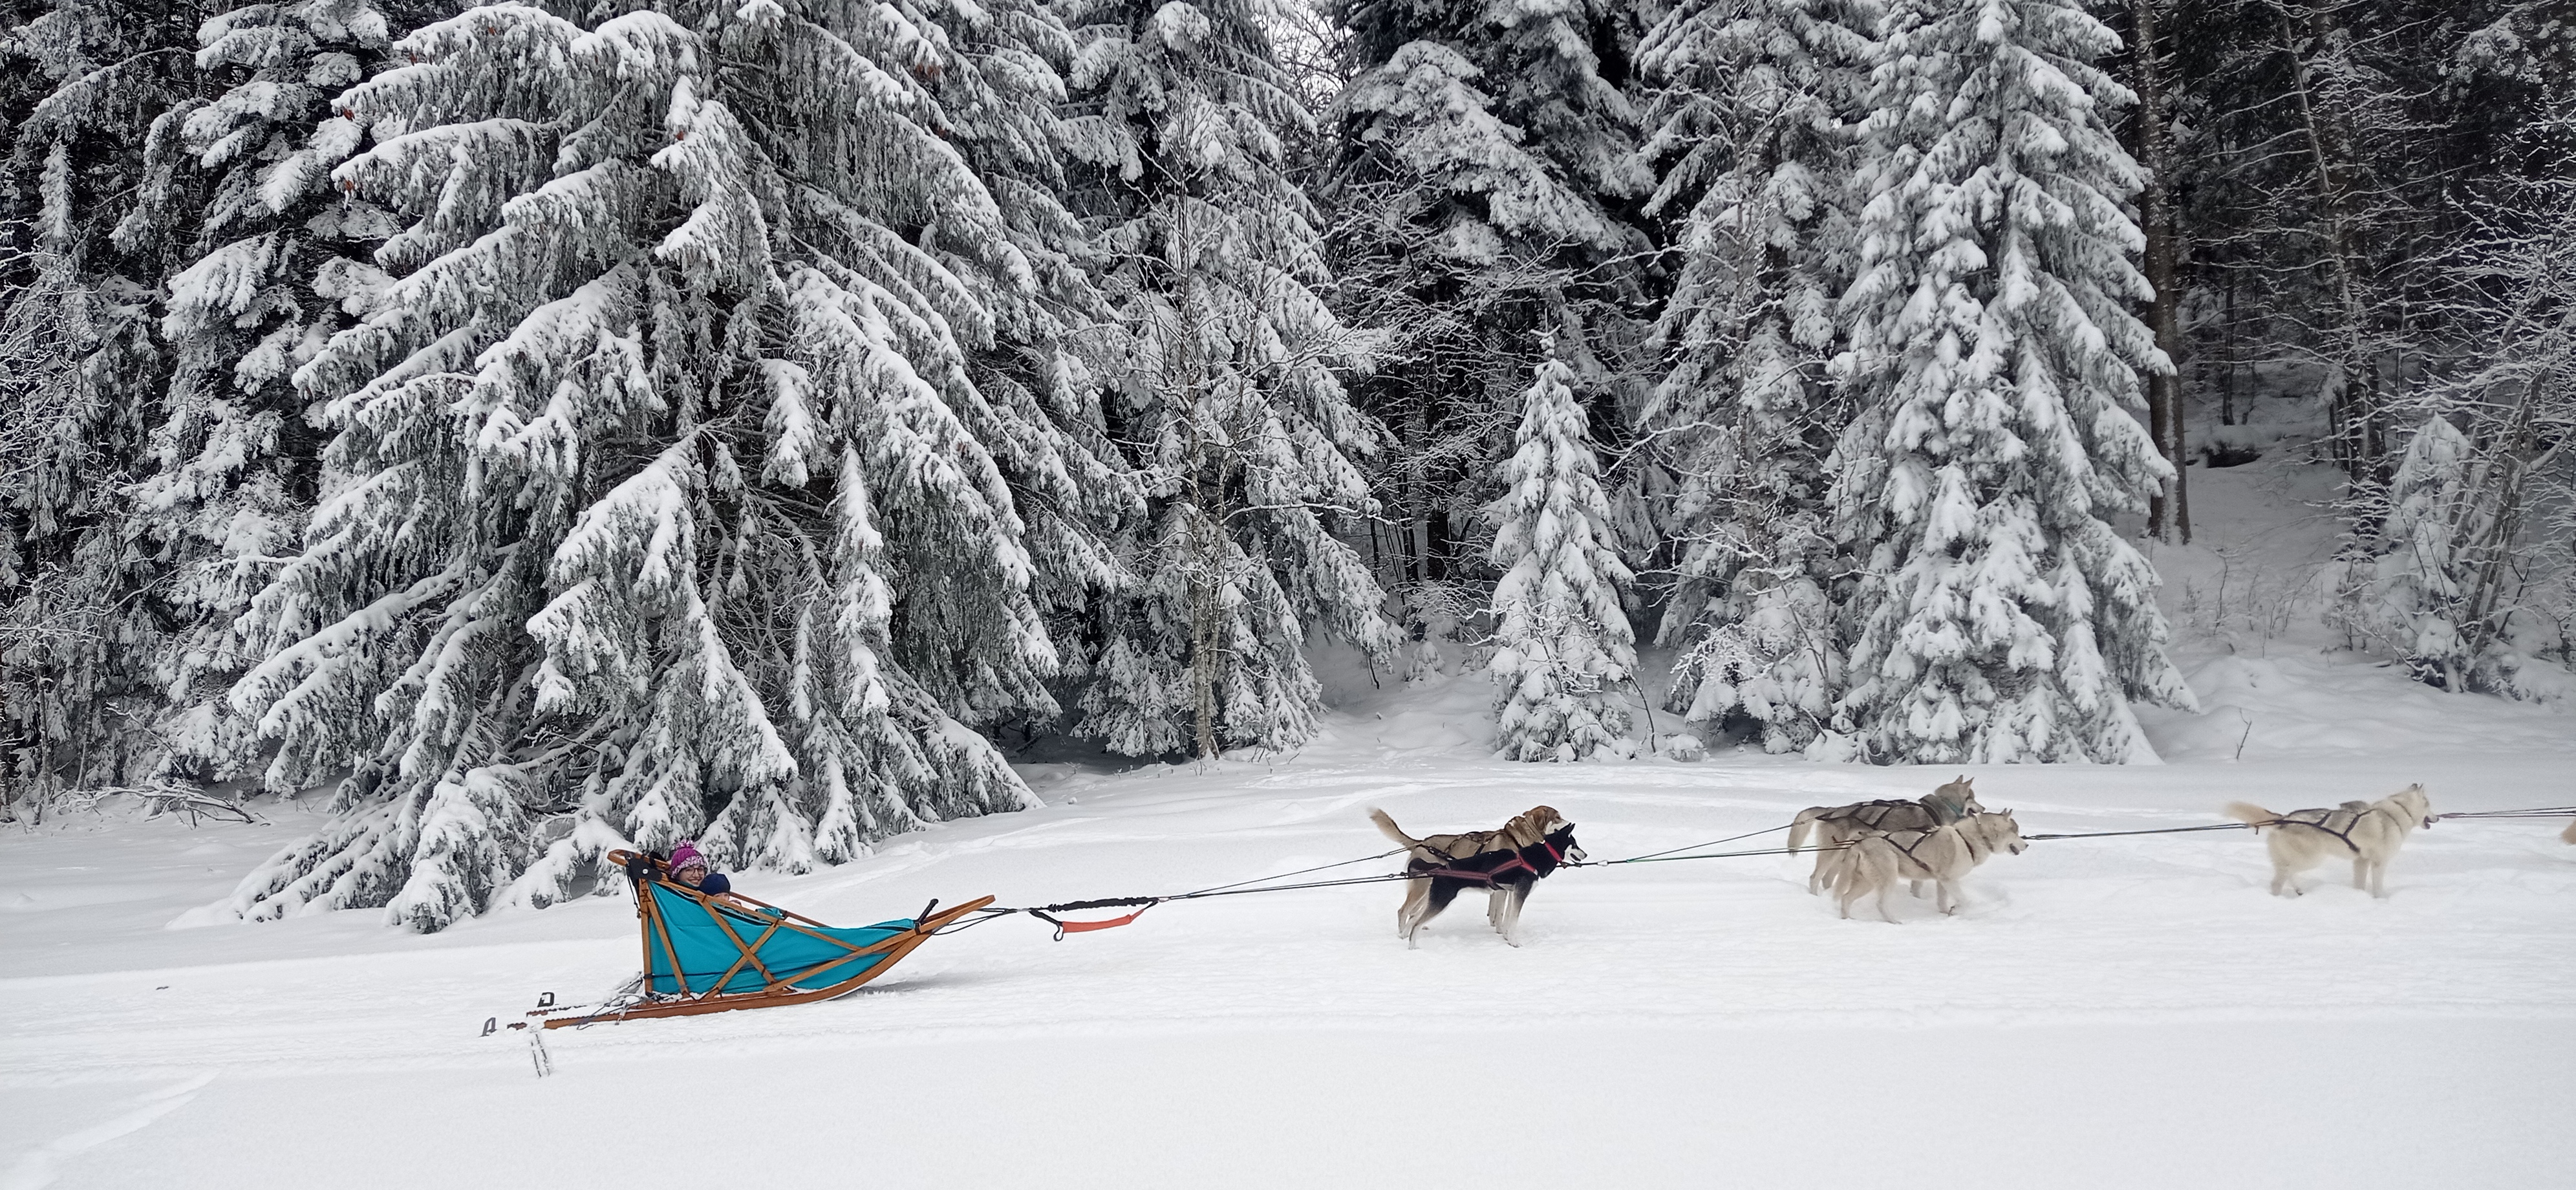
[1658, 855]
[1047, 913]
[2168, 830]
[2541, 812]
[2536, 812]
[1667, 859]
[1262, 884]
[1664, 856]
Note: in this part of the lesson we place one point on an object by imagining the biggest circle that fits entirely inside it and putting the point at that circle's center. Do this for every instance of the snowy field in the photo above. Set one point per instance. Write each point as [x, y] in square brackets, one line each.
[2105, 1012]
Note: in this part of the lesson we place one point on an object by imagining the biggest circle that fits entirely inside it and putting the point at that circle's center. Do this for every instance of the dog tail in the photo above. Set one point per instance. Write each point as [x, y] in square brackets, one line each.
[1800, 825]
[2251, 815]
[1387, 827]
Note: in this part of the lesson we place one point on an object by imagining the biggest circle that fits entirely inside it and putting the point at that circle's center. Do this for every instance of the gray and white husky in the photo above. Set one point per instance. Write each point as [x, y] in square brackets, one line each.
[2368, 832]
[1834, 826]
[1875, 861]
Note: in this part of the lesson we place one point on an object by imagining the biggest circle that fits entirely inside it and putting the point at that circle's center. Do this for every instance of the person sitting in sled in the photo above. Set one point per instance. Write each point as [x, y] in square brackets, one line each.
[691, 869]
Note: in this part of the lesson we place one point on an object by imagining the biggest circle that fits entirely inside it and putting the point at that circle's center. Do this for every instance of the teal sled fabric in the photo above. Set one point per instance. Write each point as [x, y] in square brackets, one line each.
[706, 951]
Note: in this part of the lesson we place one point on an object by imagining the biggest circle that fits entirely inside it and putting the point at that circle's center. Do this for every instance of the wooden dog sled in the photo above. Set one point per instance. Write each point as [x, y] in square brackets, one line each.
[718, 953]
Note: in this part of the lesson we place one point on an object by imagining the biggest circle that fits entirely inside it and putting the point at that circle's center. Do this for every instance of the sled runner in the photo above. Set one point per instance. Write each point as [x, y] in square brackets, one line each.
[719, 953]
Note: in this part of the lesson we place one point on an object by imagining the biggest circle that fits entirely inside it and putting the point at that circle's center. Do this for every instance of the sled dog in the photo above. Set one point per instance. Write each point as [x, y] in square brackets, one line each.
[1876, 860]
[1508, 863]
[2369, 832]
[1836, 825]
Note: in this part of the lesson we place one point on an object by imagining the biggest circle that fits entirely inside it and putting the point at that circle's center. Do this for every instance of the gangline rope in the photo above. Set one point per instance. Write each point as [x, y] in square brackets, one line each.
[2163, 830]
[1046, 913]
[1262, 884]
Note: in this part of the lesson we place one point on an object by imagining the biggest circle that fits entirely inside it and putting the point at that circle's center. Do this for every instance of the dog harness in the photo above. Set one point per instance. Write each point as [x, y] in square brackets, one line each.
[2325, 819]
[1538, 859]
[1976, 851]
[1874, 815]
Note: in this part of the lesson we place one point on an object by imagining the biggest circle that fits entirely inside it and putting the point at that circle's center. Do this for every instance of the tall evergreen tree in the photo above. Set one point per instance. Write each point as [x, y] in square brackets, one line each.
[98, 189]
[1996, 367]
[1750, 133]
[1042, 370]
[278, 261]
[1562, 640]
[1488, 182]
[1231, 396]
[663, 498]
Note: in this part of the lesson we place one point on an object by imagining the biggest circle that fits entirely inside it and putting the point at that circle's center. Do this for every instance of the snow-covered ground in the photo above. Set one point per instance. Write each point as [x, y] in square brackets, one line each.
[2105, 1012]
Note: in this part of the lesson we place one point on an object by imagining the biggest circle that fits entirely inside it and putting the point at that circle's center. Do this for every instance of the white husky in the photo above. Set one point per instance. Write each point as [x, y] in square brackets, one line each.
[2369, 832]
[1876, 860]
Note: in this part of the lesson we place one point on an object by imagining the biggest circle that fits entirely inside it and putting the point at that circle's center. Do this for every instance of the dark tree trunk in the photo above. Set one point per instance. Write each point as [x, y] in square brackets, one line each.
[2169, 514]
[2355, 413]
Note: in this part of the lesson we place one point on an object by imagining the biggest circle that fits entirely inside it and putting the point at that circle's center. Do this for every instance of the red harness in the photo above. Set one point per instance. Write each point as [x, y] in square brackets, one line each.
[1516, 861]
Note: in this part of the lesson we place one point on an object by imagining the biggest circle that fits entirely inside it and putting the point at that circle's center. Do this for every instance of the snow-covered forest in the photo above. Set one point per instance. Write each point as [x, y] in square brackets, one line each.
[573, 424]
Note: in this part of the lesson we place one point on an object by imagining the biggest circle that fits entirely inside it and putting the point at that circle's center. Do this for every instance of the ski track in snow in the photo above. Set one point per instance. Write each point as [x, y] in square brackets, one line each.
[37, 1168]
[2129, 1011]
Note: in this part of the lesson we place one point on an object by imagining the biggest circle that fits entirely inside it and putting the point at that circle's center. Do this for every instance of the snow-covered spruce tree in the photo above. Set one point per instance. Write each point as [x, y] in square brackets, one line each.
[96, 181]
[1995, 362]
[2409, 596]
[1749, 107]
[999, 83]
[1483, 188]
[279, 262]
[1229, 394]
[649, 458]
[1562, 641]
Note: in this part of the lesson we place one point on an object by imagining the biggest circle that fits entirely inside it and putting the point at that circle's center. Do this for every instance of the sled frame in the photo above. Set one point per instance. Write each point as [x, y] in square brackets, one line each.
[775, 991]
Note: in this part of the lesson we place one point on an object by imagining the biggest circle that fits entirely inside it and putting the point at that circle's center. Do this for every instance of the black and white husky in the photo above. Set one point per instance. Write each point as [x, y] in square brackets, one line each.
[1507, 863]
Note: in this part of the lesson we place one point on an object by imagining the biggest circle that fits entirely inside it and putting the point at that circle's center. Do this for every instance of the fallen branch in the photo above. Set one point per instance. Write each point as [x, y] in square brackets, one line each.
[165, 798]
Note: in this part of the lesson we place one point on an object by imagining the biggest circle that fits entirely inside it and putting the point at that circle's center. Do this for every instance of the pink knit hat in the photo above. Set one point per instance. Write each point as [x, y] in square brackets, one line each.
[685, 855]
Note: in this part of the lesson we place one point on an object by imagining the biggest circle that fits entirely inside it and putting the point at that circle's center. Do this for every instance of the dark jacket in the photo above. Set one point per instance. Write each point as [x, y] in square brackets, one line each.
[713, 884]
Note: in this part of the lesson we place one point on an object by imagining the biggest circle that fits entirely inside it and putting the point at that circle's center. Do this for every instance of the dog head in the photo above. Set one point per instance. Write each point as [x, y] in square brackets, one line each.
[2002, 833]
[1531, 825]
[2414, 803]
[1542, 824]
[1959, 798]
[1562, 838]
